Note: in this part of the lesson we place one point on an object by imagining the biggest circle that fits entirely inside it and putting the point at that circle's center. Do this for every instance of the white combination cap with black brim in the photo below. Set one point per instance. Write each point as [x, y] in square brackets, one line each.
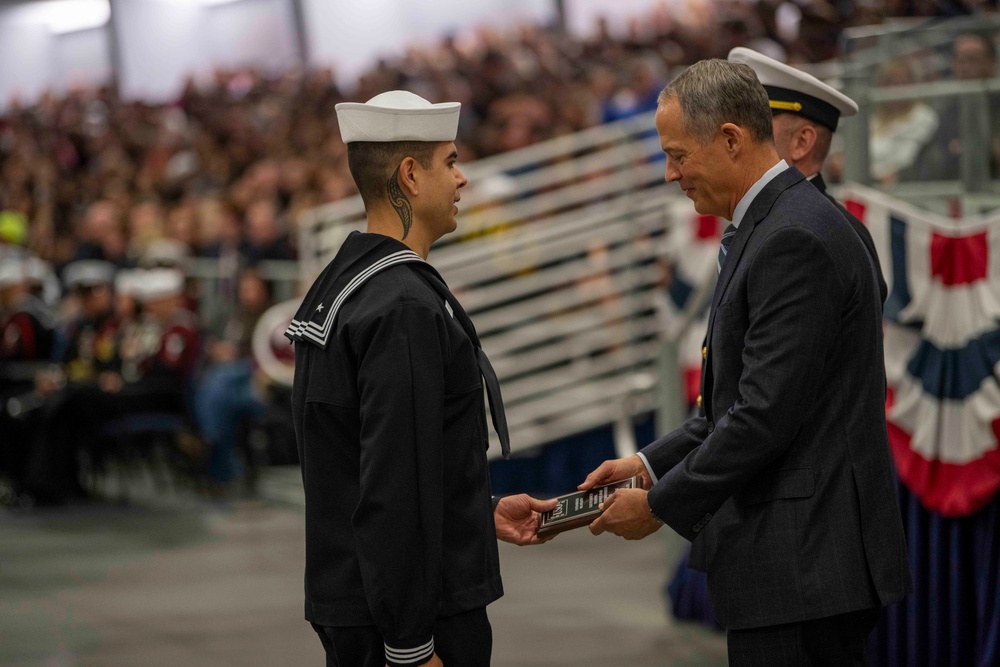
[792, 91]
[398, 115]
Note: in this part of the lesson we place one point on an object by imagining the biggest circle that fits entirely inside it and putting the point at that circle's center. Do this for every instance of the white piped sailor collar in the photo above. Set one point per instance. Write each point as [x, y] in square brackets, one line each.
[314, 321]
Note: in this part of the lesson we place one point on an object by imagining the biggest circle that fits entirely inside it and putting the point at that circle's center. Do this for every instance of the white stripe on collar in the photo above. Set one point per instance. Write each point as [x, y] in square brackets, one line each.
[321, 334]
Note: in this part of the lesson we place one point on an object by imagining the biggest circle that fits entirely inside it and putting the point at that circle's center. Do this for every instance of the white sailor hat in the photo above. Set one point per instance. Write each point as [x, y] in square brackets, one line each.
[37, 270]
[165, 253]
[129, 281]
[398, 115]
[11, 272]
[793, 91]
[159, 284]
[88, 273]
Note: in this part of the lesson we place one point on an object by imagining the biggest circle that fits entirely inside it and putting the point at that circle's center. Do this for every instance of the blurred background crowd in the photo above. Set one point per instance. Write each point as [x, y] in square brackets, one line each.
[104, 201]
[233, 162]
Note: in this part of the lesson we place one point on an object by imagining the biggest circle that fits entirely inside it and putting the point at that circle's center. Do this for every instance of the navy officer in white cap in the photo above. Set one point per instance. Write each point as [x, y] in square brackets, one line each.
[390, 422]
[805, 113]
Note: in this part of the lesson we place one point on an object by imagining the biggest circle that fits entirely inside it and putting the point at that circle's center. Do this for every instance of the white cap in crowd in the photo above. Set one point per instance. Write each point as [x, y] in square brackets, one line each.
[156, 284]
[11, 272]
[398, 115]
[792, 91]
[159, 284]
[129, 281]
[88, 273]
[37, 270]
[165, 253]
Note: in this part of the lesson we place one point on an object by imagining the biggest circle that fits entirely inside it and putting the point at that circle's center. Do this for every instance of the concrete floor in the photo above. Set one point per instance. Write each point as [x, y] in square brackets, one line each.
[187, 582]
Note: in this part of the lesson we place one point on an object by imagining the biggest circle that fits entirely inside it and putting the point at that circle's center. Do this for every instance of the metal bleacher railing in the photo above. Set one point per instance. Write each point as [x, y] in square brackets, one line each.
[555, 255]
[554, 260]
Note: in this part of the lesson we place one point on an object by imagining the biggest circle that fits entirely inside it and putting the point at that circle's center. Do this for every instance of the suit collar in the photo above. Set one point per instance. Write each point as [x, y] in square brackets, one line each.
[747, 199]
[819, 183]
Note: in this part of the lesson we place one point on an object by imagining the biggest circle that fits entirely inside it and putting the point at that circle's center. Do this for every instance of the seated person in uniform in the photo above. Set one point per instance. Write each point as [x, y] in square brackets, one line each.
[155, 381]
[26, 338]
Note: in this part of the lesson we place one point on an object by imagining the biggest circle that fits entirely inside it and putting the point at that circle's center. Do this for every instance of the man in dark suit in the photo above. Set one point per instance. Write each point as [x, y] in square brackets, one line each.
[805, 113]
[783, 482]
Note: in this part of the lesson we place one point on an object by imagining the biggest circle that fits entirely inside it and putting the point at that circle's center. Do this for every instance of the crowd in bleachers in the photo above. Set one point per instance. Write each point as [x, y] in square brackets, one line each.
[233, 161]
[920, 140]
[102, 200]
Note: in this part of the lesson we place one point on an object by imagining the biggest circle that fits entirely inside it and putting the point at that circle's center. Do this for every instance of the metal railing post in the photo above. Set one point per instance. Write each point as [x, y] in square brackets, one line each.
[974, 133]
[855, 131]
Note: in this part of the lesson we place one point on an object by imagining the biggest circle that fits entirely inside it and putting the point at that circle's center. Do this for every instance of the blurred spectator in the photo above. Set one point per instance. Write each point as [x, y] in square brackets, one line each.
[26, 338]
[42, 281]
[100, 235]
[266, 239]
[169, 365]
[900, 129]
[640, 94]
[182, 223]
[72, 419]
[132, 336]
[146, 223]
[26, 322]
[87, 346]
[973, 58]
[229, 391]
[88, 351]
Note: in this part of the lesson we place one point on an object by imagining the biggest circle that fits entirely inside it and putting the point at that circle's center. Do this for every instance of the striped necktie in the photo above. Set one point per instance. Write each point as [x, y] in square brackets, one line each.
[727, 238]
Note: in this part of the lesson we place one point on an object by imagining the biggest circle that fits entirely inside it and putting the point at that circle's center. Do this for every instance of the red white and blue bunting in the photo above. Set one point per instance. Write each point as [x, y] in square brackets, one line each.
[942, 349]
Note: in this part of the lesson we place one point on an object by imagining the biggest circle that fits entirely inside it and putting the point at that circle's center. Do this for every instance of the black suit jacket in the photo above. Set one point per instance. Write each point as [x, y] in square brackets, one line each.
[785, 483]
[861, 230]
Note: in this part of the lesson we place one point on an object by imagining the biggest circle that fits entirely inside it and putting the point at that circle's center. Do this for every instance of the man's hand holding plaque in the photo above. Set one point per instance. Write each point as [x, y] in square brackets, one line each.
[574, 510]
[615, 470]
[626, 512]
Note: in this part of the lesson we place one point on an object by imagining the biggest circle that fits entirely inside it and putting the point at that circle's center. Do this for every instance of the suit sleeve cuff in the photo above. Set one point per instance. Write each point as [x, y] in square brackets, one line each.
[409, 657]
[649, 468]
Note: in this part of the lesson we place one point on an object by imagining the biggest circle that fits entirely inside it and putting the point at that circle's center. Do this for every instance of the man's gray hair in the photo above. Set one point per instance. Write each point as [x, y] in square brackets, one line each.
[714, 92]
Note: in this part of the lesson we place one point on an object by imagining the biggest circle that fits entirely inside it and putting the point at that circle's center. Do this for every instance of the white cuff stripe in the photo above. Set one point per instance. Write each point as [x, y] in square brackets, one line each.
[649, 469]
[410, 656]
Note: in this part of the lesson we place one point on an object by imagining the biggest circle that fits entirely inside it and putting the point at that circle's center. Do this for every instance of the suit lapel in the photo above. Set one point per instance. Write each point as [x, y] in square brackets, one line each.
[758, 210]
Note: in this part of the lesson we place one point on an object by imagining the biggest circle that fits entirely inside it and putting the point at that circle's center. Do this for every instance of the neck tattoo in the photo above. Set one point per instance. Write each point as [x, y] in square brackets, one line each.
[399, 202]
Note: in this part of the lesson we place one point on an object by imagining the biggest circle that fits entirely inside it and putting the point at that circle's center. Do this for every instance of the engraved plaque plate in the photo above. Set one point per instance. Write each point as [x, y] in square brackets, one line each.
[580, 508]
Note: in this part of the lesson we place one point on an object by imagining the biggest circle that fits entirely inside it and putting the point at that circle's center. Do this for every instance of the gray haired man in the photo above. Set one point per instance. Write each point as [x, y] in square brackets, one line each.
[783, 482]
